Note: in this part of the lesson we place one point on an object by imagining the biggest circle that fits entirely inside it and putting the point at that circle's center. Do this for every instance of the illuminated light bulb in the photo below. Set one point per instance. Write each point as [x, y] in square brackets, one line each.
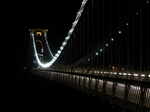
[135, 74]
[53, 60]
[56, 55]
[75, 23]
[124, 73]
[143, 75]
[67, 37]
[59, 51]
[71, 30]
[64, 43]
[79, 13]
[83, 2]
[61, 48]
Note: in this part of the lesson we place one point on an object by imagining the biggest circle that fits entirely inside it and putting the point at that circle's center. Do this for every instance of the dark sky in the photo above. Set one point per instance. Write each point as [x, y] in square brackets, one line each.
[56, 15]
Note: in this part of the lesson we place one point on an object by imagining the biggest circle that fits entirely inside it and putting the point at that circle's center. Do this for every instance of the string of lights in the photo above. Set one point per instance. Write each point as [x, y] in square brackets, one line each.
[48, 46]
[44, 65]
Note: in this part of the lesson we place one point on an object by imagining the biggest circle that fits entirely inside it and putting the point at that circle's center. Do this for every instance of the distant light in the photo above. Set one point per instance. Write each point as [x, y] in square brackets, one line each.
[88, 59]
[67, 37]
[96, 53]
[106, 44]
[129, 74]
[56, 55]
[112, 39]
[54, 58]
[101, 50]
[59, 52]
[124, 73]
[135, 74]
[83, 2]
[42, 50]
[147, 1]
[38, 33]
[64, 43]
[119, 32]
[127, 24]
[143, 75]
[137, 13]
[71, 30]
[61, 48]
[74, 23]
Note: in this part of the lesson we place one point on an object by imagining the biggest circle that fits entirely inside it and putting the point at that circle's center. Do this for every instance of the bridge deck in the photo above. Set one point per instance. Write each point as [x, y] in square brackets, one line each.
[131, 94]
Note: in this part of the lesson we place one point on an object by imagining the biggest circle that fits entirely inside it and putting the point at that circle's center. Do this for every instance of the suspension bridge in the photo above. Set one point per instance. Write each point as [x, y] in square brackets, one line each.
[105, 53]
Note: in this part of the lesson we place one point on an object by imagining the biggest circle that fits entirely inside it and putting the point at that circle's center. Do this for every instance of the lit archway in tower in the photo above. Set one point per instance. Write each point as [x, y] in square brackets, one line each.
[42, 47]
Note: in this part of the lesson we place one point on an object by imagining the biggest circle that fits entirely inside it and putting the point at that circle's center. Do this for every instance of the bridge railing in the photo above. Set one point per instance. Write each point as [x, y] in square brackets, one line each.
[129, 94]
[122, 74]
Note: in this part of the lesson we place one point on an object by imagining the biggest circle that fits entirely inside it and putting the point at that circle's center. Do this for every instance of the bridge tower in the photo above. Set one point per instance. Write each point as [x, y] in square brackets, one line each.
[39, 36]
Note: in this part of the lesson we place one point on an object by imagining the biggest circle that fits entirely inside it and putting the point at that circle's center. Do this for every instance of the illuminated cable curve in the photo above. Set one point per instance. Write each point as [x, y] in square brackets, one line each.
[79, 13]
[48, 46]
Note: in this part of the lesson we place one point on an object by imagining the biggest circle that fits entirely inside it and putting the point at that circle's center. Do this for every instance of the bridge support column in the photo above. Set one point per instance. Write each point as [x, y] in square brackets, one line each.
[126, 91]
[104, 89]
[113, 93]
[142, 98]
[96, 84]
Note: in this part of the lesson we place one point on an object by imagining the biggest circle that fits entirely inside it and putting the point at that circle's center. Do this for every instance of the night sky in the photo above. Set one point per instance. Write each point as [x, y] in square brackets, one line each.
[56, 15]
